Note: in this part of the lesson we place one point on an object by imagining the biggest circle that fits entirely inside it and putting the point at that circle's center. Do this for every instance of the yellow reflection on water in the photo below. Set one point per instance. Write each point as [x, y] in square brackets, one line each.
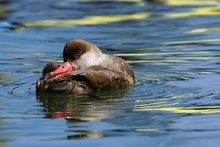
[51, 60]
[179, 59]
[203, 30]
[191, 2]
[146, 129]
[162, 104]
[154, 102]
[165, 53]
[203, 55]
[137, 2]
[159, 102]
[191, 41]
[207, 11]
[168, 2]
[156, 61]
[202, 110]
[88, 20]
[212, 8]
[104, 19]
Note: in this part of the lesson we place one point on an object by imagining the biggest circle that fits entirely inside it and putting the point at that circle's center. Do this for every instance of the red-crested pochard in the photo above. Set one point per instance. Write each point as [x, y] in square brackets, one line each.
[85, 68]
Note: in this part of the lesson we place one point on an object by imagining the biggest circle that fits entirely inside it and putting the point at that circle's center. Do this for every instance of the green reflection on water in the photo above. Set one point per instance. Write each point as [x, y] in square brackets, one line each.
[4, 9]
[2, 76]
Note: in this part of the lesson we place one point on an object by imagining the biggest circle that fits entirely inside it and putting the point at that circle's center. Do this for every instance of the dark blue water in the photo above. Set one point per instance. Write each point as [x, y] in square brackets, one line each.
[173, 48]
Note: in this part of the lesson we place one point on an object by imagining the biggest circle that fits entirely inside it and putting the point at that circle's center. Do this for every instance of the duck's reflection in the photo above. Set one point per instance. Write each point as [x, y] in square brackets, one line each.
[77, 109]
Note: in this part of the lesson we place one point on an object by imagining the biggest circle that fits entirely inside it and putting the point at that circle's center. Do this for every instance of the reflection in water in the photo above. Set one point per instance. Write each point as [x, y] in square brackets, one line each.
[163, 104]
[3, 77]
[89, 20]
[188, 110]
[209, 11]
[192, 2]
[4, 138]
[105, 19]
[203, 30]
[4, 9]
[191, 41]
[81, 108]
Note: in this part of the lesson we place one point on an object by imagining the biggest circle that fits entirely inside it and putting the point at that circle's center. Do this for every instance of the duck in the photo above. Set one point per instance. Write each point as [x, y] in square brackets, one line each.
[84, 69]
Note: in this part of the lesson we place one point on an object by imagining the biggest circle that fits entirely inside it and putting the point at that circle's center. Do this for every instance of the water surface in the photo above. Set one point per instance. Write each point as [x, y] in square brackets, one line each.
[172, 46]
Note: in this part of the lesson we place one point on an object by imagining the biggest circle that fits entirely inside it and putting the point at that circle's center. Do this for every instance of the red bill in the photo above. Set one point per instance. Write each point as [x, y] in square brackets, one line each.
[64, 68]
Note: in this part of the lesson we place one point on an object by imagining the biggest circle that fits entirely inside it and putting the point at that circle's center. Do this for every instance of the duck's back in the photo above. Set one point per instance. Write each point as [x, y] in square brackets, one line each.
[117, 64]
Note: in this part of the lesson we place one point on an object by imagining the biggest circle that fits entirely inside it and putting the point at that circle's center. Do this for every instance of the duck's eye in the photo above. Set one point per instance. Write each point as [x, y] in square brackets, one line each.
[76, 56]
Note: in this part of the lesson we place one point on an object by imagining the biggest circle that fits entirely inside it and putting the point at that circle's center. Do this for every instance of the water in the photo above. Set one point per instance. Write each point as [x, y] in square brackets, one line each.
[173, 49]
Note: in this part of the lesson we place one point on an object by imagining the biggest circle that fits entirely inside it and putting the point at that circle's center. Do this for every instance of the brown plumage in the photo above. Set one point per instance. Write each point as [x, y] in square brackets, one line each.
[93, 70]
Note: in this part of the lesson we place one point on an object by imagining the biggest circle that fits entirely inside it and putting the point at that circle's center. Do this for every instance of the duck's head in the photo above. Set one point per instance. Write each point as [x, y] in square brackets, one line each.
[78, 54]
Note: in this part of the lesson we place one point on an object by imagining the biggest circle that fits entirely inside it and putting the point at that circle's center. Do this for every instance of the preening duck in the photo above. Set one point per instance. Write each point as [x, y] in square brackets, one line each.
[85, 68]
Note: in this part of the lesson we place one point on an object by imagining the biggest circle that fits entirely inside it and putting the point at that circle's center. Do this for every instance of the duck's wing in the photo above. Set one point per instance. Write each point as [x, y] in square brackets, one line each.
[97, 77]
[85, 80]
